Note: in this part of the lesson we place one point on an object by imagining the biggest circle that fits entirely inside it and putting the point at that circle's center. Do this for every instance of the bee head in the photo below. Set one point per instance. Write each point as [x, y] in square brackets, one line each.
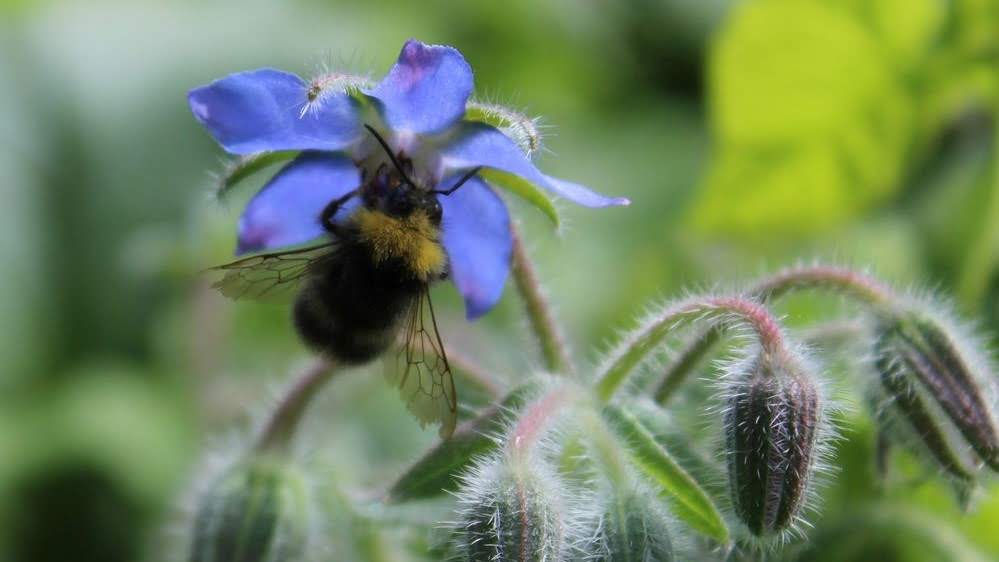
[407, 199]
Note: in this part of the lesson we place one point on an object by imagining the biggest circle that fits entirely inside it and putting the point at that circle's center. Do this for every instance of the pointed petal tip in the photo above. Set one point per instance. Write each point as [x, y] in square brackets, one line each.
[480, 144]
[475, 310]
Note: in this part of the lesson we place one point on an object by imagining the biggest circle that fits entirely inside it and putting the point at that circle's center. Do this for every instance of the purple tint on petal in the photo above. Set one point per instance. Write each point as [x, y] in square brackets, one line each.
[426, 90]
[268, 109]
[477, 237]
[286, 211]
[478, 144]
[582, 195]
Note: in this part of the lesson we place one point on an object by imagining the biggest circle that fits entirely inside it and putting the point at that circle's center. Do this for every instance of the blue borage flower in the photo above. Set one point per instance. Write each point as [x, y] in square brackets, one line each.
[420, 110]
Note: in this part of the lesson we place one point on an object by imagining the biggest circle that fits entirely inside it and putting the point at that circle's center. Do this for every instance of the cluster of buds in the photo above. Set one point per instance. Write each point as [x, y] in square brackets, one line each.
[932, 387]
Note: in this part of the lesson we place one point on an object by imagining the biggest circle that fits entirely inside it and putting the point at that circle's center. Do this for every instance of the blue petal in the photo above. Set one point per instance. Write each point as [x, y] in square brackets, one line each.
[269, 109]
[477, 237]
[582, 195]
[478, 144]
[286, 211]
[426, 90]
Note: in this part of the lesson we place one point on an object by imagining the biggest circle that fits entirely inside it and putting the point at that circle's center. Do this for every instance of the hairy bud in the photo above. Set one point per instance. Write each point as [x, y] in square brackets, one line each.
[256, 512]
[771, 429]
[632, 526]
[930, 384]
[511, 511]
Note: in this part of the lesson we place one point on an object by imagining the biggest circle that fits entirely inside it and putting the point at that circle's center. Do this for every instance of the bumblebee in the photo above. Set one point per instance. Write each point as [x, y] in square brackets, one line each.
[366, 286]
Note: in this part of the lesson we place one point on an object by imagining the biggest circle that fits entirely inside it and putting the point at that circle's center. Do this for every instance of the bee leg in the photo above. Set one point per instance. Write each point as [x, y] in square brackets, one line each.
[329, 213]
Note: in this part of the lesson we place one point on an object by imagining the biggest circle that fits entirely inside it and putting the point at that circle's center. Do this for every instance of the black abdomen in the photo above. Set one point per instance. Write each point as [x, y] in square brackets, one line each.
[352, 310]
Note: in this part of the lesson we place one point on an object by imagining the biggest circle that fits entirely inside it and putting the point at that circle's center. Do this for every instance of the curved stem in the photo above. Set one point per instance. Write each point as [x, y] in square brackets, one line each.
[838, 279]
[685, 362]
[279, 430]
[635, 349]
[535, 420]
[539, 313]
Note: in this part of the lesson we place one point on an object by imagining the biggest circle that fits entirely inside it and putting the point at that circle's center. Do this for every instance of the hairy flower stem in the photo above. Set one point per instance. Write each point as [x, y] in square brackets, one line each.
[832, 278]
[535, 420]
[278, 432]
[539, 312]
[684, 363]
[606, 449]
[837, 279]
[632, 351]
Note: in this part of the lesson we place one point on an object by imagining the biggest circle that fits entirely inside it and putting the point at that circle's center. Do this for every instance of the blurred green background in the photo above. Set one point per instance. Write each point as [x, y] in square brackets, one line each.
[748, 135]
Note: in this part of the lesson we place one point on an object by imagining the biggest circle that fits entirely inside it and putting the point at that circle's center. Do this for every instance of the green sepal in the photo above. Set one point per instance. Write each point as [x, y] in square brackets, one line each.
[524, 189]
[243, 167]
[690, 502]
[519, 127]
[439, 470]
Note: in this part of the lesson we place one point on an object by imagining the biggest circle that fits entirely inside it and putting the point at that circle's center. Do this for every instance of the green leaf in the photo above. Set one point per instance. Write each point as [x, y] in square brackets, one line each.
[245, 166]
[813, 119]
[907, 28]
[689, 501]
[523, 188]
[439, 469]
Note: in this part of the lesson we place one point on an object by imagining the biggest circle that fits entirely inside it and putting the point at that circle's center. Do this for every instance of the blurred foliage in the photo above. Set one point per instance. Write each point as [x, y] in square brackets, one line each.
[844, 129]
[822, 119]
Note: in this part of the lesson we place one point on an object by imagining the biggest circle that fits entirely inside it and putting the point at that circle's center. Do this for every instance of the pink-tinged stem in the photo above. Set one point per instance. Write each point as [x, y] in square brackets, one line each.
[539, 311]
[278, 432]
[840, 279]
[535, 420]
[632, 351]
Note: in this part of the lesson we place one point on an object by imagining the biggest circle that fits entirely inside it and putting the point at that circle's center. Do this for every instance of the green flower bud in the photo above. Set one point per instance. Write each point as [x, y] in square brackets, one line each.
[631, 527]
[930, 384]
[257, 511]
[771, 428]
[511, 511]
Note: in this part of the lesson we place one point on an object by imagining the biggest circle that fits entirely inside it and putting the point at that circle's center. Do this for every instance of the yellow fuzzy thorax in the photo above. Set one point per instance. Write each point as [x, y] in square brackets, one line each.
[412, 240]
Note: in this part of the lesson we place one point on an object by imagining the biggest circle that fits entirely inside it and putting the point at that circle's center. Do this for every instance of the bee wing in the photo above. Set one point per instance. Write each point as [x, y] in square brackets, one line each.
[422, 372]
[272, 275]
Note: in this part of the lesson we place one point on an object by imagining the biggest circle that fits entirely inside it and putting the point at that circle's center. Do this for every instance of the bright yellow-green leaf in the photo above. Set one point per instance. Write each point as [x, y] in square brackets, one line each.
[907, 27]
[797, 189]
[810, 115]
[786, 68]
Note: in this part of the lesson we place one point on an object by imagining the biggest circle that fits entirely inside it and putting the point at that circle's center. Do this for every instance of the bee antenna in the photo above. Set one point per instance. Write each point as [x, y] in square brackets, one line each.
[388, 151]
[460, 183]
